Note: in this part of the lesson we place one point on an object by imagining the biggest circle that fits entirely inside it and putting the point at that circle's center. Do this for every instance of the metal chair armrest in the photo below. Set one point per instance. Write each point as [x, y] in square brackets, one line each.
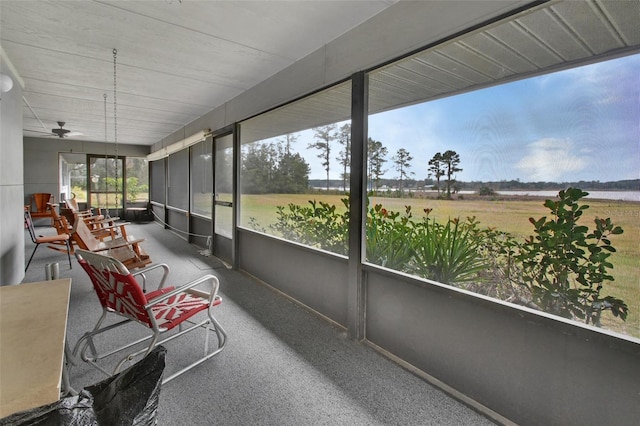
[142, 272]
[213, 294]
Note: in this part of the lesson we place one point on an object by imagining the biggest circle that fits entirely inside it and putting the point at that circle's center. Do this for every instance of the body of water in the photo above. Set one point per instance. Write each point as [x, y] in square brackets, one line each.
[602, 195]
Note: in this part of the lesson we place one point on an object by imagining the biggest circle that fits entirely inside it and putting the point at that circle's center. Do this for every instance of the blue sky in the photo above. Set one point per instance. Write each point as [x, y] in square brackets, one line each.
[579, 124]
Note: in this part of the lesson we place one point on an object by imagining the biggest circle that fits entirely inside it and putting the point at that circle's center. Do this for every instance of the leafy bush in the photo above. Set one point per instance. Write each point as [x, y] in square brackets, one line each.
[319, 225]
[134, 188]
[566, 266]
[387, 234]
[486, 191]
[80, 194]
[446, 253]
[561, 270]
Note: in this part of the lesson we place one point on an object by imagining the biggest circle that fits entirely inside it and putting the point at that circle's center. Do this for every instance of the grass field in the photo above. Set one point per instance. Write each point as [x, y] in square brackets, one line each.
[505, 214]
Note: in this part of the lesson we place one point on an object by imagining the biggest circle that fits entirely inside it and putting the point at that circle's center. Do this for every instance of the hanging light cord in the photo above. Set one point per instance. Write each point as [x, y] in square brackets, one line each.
[106, 157]
[115, 119]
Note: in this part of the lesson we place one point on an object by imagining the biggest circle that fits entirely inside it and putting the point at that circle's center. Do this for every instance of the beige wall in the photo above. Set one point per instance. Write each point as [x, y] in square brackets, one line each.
[44, 154]
[11, 189]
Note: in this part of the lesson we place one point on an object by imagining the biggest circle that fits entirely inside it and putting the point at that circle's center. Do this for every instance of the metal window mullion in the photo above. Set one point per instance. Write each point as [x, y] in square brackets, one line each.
[235, 199]
[357, 207]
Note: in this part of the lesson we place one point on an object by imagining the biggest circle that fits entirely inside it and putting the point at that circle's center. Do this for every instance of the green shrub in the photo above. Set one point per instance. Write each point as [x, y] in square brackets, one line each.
[319, 225]
[566, 266]
[387, 234]
[486, 191]
[447, 253]
[561, 270]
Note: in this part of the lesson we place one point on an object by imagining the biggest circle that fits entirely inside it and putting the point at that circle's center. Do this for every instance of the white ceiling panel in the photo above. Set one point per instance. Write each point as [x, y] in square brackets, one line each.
[176, 60]
[552, 36]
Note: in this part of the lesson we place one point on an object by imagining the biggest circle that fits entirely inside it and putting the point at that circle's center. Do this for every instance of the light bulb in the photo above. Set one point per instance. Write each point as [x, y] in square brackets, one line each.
[6, 83]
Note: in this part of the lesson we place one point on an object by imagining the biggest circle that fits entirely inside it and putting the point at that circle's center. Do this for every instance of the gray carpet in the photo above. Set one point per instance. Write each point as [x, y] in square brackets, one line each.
[282, 366]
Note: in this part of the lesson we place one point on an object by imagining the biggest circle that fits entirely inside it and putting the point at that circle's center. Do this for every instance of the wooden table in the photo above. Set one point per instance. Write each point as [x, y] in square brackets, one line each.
[33, 322]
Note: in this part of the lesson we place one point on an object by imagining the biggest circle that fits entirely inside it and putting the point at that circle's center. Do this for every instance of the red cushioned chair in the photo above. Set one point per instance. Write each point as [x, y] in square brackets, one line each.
[162, 312]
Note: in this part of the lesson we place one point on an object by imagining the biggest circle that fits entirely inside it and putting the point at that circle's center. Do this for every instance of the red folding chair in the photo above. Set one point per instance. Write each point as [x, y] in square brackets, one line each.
[166, 313]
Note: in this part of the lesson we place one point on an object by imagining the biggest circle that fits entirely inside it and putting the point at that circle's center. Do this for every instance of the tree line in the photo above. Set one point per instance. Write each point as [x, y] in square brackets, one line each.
[274, 167]
[515, 185]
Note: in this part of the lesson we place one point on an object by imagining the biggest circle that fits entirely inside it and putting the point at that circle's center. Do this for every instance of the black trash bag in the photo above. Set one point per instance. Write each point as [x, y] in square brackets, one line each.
[128, 398]
[73, 410]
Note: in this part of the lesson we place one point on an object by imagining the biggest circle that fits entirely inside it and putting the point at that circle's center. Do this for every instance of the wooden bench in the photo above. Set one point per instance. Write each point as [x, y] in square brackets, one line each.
[137, 209]
[136, 212]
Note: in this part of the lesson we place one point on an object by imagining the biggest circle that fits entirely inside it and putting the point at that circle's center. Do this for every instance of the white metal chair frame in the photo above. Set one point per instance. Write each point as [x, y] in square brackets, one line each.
[103, 270]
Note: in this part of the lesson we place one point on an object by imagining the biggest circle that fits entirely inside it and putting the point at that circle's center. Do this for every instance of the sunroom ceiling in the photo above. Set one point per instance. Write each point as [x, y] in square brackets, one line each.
[554, 36]
[547, 38]
[176, 59]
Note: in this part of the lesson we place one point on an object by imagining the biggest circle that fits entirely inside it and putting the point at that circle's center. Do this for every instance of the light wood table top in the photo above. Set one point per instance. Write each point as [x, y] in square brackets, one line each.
[33, 322]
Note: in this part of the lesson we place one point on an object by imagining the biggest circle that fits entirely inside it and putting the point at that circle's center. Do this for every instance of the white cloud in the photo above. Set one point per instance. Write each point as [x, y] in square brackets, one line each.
[552, 160]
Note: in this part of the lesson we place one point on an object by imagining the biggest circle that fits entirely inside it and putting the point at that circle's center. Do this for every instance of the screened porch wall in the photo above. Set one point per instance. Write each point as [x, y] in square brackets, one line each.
[507, 360]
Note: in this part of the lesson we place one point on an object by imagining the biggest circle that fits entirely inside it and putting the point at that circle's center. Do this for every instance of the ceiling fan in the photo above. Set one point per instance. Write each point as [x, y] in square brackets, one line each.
[60, 132]
[63, 133]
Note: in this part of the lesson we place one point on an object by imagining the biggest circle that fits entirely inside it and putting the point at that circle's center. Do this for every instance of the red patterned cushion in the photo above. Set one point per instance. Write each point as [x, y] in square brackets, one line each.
[177, 309]
[126, 297]
[157, 293]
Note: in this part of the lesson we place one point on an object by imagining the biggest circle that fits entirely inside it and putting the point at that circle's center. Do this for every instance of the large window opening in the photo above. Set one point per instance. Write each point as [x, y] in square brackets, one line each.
[106, 183]
[137, 180]
[73, 176]
[223, 223]
[504, 162]
[526, 190]
[202, 179]
[295, 168]
[101, 181]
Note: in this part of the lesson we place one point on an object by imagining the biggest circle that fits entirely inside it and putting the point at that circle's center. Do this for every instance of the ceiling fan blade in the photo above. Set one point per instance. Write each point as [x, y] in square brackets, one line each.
[38, 131]
[56, 132]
